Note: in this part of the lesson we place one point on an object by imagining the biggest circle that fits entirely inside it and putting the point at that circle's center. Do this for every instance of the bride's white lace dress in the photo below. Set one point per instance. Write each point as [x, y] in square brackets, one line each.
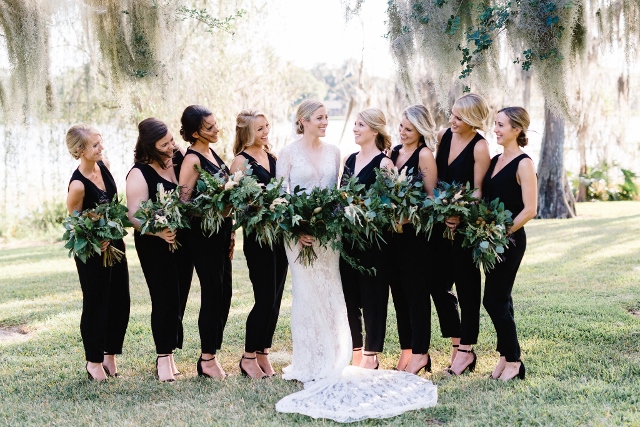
[321, 336]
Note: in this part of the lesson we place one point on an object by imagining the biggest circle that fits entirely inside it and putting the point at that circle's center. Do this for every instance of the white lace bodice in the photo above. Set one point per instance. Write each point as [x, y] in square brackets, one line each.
[294, 165]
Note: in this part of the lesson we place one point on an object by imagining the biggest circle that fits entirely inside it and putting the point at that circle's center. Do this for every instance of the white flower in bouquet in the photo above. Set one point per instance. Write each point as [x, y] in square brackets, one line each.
[277, 201]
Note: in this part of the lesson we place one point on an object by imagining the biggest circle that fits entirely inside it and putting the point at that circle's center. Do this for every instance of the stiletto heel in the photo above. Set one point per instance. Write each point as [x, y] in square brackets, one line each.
[521, 372]
[170, 380]
[91, 377]
[374, 355]
[199, 366]
[244, 373]
[471, 366]
[426, 367]
[453, 346]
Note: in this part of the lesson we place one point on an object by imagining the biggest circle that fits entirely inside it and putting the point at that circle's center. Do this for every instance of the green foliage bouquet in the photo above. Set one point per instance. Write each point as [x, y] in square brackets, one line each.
[448, 200]
[212, 201]
[316, 214]
[166, 212]
[85, 231]
[402, 196]
[363, 215]
[262, 212]
[486, 232]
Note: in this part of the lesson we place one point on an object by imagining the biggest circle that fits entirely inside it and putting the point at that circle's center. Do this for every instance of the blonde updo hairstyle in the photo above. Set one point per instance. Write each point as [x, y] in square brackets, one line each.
[518, 119]
[375, 119]
[305, 110]
[473, 110]
[245, 132]
[421, 119]
[78, 138]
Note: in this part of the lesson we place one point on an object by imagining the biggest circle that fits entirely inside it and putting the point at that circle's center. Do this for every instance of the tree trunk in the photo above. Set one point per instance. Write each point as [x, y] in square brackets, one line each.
[554, 199]
[582, 151]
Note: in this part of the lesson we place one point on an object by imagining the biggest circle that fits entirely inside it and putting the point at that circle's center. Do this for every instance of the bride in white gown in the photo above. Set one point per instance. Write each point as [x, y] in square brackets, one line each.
[319, 325]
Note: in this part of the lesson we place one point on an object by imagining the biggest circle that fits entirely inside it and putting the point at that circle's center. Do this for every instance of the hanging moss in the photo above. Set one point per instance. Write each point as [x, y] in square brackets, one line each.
[24, 24]
[129, 36]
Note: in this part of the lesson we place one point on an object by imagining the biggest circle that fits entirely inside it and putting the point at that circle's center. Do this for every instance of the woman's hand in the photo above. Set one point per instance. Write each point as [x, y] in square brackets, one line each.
[452, 222]
[167, 235]
[306, 240]
[232, 245]
[104, 245]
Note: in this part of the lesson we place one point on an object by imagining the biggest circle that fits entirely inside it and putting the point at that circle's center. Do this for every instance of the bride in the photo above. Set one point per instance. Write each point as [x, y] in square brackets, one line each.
[319, 325]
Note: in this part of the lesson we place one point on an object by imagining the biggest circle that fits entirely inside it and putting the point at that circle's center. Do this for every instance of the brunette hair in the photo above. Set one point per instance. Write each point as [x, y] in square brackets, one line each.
[305, 110]
[473, 110]
[245, 133]
[191, 120]
[78, 137]
[518, 119]
[375, 119]
[421, 119]
[150, 131]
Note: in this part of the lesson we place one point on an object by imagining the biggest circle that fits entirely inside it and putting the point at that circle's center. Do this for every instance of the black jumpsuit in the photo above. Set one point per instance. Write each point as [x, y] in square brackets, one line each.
[499, 281]
[366, 296]
[410, 286]
[105, 290]
[455, 264]
[168, 274]
[210, 255]
[267, 272]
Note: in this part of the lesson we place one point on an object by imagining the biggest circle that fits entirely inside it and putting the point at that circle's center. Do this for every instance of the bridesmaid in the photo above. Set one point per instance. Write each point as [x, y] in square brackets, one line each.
[512, 178]
[105, 290]
[412, 253]
[267, 266]
[462, 156]
[168, 274]
[211, 254]
[367, 296]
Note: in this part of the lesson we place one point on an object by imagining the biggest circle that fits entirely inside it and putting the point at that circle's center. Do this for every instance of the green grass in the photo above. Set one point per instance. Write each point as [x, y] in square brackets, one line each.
[578, 284]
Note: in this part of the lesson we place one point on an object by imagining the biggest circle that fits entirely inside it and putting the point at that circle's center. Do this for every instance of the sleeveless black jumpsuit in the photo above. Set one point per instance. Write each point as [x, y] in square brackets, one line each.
[210, 255]
[499, 281]
[105, 290]
[366, 296]
[456, 264]
[168, 274]
[267, 272]
[411, 256]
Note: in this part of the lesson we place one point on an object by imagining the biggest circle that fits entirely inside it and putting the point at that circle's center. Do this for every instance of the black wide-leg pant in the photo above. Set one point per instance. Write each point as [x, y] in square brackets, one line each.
[267, 272]
[210, 255]
[410, 288]
[455, 265]
[105, 305]
[367, 296]
[497, 297]
[163, 274]
[185, 276]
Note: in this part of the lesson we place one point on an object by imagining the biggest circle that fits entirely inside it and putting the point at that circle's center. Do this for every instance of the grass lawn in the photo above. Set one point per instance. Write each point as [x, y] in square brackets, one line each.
[575, 298]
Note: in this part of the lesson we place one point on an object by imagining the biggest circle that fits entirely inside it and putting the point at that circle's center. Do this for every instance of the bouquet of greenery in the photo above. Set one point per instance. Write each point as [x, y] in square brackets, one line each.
[448, 200]
[363, 219]
[401, 195]
[166, 212]
[85, 231]
[316, 214]
[212, 201]
[486, 232]
[262, 211]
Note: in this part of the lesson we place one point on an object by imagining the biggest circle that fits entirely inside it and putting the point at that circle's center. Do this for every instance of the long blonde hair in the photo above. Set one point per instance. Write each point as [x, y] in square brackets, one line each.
[375, 119]
[305, 110]
[422, 120]
[473, 110]
[245, 132]
[78, 137]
